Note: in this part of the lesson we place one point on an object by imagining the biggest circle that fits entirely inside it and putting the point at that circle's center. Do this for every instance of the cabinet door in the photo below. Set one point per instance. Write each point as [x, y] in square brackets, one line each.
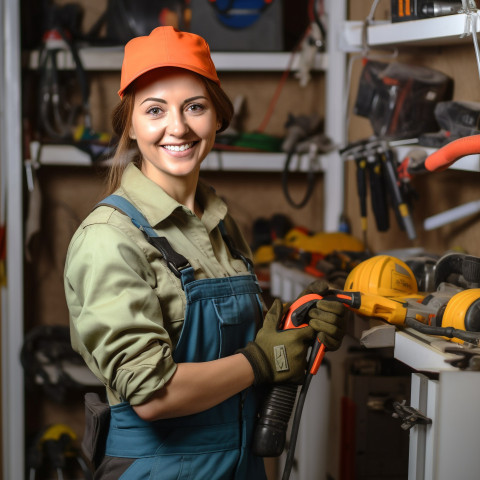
[458, 426]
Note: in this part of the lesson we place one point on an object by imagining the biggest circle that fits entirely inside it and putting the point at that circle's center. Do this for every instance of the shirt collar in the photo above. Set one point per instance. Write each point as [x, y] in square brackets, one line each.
[156, 205]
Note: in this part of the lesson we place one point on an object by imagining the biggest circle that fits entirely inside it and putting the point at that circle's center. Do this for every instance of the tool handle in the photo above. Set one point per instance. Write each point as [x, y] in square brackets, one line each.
[295, 316]
[316, 357]
[362, 189]
[451, 152]
[378, 195]
[401, 208]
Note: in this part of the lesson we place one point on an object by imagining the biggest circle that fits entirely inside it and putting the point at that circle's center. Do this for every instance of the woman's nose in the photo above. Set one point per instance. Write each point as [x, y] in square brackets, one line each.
[177, 124]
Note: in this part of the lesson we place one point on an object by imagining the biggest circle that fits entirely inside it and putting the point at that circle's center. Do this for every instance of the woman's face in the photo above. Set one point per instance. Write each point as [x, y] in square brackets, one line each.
[174, 123]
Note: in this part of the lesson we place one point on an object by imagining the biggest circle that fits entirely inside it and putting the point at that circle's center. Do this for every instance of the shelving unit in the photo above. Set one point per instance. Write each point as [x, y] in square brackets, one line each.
[332, 63]
[110, 59]
[445, 30]
[64, 155]
[12, 397]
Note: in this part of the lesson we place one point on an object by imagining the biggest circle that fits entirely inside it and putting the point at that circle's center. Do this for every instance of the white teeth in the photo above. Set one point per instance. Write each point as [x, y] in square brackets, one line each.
[178, 148]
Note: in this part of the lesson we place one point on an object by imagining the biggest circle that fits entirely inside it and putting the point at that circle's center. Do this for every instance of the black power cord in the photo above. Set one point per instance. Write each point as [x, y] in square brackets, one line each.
[310, 182]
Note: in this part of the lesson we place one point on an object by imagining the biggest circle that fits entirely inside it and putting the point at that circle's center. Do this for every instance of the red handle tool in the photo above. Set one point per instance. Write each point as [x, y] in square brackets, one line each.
[451, 152]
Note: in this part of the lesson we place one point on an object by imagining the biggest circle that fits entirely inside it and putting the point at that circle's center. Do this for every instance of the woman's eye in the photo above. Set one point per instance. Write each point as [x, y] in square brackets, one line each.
[154, 111]
[196, 108]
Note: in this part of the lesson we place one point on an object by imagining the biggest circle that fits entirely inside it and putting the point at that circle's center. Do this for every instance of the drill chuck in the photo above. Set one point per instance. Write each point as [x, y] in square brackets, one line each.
[271, 430]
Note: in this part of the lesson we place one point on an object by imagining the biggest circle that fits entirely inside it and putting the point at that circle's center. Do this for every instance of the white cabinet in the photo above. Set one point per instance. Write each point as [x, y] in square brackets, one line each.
[446, 448]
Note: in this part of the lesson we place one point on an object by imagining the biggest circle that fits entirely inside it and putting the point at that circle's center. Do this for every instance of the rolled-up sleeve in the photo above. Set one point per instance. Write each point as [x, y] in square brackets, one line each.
[115, 315]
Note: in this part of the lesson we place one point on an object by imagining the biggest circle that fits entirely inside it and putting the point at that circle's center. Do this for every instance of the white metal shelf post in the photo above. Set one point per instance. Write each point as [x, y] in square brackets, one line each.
[13, 440]
[335, 122]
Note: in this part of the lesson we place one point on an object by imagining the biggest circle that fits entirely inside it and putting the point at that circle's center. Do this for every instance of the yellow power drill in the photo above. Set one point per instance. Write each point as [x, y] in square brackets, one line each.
[385, 287]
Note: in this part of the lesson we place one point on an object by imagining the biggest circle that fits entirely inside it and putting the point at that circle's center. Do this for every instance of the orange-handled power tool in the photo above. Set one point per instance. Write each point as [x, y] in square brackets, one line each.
[451, 152]
[270, 433]
[417, 160]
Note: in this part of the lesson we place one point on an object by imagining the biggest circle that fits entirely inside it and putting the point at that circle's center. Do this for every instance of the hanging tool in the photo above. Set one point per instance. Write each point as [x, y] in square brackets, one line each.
[56, 115]
[418, 161]
[304, 135]
[447, 155]
[361, 163]
[54, 448]
[376, 162]
[378, 191]
[400, 206]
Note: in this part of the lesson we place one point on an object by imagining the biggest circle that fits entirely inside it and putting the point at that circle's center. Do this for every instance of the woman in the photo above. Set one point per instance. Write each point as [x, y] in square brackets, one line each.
[164, 305]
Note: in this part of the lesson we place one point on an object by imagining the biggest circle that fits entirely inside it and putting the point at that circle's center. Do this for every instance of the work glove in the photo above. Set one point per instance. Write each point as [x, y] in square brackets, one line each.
[319, 287]
[279, 356]
[327, 318]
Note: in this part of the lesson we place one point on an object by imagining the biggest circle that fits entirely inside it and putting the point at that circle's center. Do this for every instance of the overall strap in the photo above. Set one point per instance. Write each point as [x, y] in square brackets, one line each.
[233, 250]
[175, 261]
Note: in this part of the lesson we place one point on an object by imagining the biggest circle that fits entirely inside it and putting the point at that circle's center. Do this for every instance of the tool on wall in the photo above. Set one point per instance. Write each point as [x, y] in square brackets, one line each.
[54, 449]
[419, 161]
[50, 363]
[403, 10]
[239, 14]
[126, 19]
[399, 99]
[308, 45]
[304, 135]
[456, 120]
[57, 116]
[60, 118]
[377, 168]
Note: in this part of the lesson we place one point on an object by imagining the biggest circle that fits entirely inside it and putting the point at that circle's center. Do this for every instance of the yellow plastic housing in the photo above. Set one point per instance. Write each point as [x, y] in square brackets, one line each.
[458, 308]
[382, 275]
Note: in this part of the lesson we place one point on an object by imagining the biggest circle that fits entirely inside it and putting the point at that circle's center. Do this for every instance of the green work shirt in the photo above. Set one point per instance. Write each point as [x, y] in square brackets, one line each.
[126, 307]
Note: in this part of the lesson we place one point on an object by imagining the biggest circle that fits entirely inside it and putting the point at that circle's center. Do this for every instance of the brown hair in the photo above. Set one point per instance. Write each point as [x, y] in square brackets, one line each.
[127, 150]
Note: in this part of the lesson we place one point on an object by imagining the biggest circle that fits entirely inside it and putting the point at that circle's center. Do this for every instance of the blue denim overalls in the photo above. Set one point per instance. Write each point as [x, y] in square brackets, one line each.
[221, 317]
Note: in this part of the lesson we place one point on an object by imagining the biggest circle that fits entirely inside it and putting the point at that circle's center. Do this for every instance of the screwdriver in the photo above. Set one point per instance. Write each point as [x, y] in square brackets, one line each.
[401, 208]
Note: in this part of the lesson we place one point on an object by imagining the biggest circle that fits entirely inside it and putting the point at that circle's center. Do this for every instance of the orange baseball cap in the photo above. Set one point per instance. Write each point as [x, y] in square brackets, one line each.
[166, 47]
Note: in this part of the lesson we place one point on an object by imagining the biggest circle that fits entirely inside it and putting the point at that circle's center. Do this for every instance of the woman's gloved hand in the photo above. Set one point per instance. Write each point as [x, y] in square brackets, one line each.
[319, 287]
[278, 356]
[327, 318]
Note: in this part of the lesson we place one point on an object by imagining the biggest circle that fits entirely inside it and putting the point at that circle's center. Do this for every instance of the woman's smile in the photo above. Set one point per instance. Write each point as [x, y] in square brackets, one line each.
[178, 148]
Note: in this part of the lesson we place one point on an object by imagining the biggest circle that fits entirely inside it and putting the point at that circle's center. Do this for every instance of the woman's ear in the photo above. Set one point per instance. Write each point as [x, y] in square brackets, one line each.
[131, 134]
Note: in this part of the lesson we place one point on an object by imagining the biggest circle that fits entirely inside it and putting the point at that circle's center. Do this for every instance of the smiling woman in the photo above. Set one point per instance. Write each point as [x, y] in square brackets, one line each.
[174, 124]
[164, 305]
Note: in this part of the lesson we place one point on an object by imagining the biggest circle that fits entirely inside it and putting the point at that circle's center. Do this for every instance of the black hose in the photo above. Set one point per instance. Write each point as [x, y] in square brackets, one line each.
[295, 426]
[310, 183]
[449, 332]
